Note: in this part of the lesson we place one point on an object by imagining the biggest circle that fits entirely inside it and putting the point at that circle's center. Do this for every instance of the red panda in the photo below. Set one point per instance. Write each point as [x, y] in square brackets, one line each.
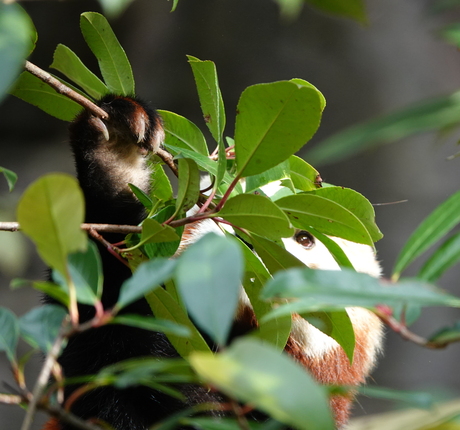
[109, 155]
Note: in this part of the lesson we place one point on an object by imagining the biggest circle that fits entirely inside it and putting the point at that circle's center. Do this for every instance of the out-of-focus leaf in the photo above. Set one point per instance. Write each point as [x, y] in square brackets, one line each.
[442, 259]
[258, 374]
[9, 333]
[417, 399]
[40, 326]
[209, 277]
[447, 334]
[17, 39]
[114, 8]
[151, 323]
[432, 228]
[354, 9]
[50, 213]
[10, 177]
[434, 114]
[113, 62]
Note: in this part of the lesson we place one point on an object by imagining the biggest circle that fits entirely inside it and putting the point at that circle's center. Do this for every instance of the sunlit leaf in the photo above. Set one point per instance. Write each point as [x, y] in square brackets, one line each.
[112, 59]
[268, 114]
[257, 374]
[153, 231]
[50, 212]
[303, 176]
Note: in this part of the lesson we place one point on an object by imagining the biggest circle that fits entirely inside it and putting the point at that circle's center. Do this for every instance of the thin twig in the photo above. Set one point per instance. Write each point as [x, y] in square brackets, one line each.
[103, 228]
[10, 399]
[168, 159]
[65, 90]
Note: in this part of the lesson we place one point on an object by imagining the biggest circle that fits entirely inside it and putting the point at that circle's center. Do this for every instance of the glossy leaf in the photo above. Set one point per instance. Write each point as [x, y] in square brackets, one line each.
[281, 171]
[10, 177]
[50, 212]
[307, 84]
[257, 214]
[9, 333]
[447, 255]
[17, 37]
[434, 114]
[209, 94]
[273, 122]
[112, 59]
[165, 307]
[303, 176]
[182, 133]
[354, 9]
[326, 216]
[34, 91]
[40, 326]
[161, 186]
[189, 184]
[67, 62]
[151, 323]
[356, 203]
[154, 232]
[147, 277]
[257, 374]
[336, 289]
[436, 225]
[208, 277]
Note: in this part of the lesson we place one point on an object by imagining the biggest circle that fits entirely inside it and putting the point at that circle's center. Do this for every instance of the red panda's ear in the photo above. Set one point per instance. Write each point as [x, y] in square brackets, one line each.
[52, 424]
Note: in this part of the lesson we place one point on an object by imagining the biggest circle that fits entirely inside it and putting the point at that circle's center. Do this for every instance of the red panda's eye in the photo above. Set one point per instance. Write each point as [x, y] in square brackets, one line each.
[305, 239]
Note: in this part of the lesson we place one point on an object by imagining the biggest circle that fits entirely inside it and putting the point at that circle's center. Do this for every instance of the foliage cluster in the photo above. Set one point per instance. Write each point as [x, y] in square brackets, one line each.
[274, 120]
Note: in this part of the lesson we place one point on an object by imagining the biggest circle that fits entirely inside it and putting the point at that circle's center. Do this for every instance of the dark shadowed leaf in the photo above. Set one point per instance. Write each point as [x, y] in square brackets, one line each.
[10, 177]
[9, 333]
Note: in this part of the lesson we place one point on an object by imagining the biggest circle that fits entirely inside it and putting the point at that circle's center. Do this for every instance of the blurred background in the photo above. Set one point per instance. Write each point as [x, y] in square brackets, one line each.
[363, 71]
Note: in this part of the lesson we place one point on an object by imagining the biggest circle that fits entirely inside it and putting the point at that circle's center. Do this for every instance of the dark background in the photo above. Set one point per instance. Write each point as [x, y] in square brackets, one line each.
[363, 71]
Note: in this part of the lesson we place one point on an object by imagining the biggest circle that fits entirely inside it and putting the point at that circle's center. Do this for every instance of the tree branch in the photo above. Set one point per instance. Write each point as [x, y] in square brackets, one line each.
[65, 90]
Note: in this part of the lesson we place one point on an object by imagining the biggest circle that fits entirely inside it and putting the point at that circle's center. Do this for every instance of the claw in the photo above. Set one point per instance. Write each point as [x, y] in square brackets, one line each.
[99, 125]
[140, 125]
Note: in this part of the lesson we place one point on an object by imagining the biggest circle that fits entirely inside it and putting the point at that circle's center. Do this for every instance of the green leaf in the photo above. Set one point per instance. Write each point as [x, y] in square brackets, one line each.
[57, 292]
[67, 62]
[40, 326]
[447, 334]
[257, 374]
[9, 333]
[354, 9]
[148, 276]
[416, 399]
[436, 225]
[189, 185]
[324, 215]
[17, 39]
[257, 214]
[336, 324]
[50, 212]
[356, 203]
[209, 94]
[165, 307]
[209, 277]
[435, 114]
[154, 232]
[113, 62]
[114, 8]
[268, 114]
[153, 324]
[161, 186]
[275, 331]
[331, 289]
[142, 196]
[182, 133]
[10, 176]
[281, 171]
[451, 33]
[85, 269]
[34, 91]
[274, 256]
[303, 176]
[307, 84]
[447, 255]
[204, 163]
